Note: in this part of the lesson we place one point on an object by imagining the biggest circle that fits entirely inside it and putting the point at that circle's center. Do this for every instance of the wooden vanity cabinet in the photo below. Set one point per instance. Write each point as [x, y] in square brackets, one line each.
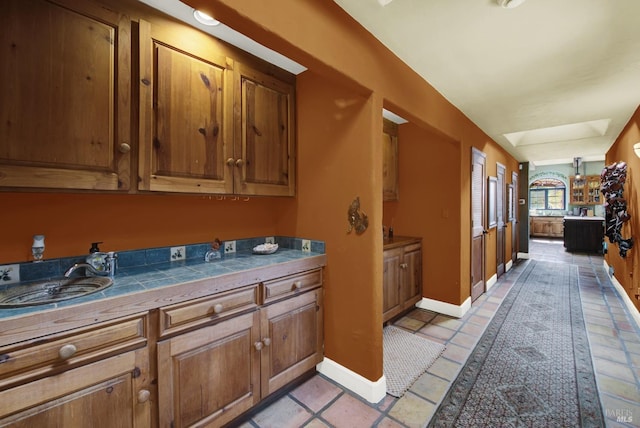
[211, 375]
[96, 376]
[402, 276]
[65, 81]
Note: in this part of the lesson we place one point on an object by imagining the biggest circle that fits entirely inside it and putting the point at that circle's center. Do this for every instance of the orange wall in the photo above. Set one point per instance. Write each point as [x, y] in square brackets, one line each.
[71, 222]
[626, 270]
[336, 163]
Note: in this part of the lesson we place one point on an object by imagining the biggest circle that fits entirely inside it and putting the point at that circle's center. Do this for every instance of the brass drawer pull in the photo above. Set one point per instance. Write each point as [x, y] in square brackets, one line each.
[217, 308]
[67, 351]
[297, 285]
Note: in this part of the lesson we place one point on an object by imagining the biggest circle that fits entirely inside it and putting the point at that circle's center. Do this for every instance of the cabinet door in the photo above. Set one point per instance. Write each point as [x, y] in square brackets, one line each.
[577, 190]
[391, 295]
[291, 334]
[108, 393]
[557, 229]
[389, 161]
[65, 85]
[185, 111]
[209, 376]
[411, 276]
[264, 134]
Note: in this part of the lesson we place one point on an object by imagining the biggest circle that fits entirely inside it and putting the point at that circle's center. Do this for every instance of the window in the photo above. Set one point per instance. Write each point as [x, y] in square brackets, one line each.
[547, 194]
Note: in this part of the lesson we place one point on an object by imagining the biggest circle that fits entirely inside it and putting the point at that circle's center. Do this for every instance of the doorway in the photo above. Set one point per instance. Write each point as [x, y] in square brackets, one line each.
[478, 221]
[501, 229]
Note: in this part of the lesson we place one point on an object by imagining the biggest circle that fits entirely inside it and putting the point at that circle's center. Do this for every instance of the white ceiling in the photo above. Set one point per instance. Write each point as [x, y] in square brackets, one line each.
[548, 80]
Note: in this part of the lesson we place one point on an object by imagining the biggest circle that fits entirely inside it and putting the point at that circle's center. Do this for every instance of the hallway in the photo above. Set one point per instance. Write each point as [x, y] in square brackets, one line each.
[614, 342]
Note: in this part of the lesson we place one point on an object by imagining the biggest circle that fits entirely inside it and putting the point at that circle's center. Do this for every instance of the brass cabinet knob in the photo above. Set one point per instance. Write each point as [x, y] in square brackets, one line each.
[230, 162]
[266, 341]
[239, 163]
[143, 395]
[403, 265]
[67, 351]
[124, 148]
[297, 285]
[217, 308]
[258, 346]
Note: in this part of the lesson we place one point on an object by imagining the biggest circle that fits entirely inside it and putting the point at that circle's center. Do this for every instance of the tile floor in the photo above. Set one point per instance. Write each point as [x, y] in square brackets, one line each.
[613, 335]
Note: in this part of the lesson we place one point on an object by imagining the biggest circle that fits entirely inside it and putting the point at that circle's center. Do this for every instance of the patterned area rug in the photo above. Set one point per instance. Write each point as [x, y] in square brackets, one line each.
[406, 357]
[532, 366]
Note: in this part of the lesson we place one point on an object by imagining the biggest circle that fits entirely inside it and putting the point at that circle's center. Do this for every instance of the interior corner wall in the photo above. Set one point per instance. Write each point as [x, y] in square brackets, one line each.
[523, 210]
[429, 207]
[627, 270]
[339, 159]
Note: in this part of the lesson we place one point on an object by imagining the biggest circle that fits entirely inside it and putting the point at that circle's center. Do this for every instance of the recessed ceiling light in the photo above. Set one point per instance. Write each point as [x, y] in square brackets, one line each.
[204, 19]
[510, 4]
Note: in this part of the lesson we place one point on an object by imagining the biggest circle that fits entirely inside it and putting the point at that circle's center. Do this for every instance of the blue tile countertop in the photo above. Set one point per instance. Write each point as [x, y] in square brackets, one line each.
[143, 287]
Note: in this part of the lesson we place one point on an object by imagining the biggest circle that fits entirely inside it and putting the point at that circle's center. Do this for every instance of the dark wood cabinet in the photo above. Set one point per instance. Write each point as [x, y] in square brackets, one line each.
[583, 234]
[402, 275]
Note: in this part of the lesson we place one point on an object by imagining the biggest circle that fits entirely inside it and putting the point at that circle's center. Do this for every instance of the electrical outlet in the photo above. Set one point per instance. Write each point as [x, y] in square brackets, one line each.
[178, 253]
[306, 245]
[9, 274]
[229, 247]
[270, 240]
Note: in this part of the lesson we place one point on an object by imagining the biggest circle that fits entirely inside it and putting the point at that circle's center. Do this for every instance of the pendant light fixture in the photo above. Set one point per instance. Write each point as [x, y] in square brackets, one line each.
[578, 179]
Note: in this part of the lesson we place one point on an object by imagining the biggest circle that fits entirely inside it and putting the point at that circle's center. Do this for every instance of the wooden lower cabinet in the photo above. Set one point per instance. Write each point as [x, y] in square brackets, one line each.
[212, 375]
[402, 276]
[108, 393]
[547, 226]
[199, 362]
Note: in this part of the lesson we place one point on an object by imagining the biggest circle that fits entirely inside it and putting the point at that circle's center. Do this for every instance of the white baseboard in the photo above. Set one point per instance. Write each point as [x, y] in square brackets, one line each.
[373, 392]
[450, 309]
[491, 281]
[625, 297]
[523, 255]
[508, 266]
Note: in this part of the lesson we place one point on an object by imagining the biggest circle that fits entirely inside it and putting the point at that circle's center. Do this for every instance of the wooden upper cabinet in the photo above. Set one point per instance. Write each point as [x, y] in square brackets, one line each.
[65, 85]
[185, 113]
[264, 134]
[389, 161]
[209, 124]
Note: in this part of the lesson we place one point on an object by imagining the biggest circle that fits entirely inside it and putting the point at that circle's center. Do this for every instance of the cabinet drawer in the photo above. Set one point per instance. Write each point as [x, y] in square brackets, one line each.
[200, 311]
[52, 354]
[293, 284]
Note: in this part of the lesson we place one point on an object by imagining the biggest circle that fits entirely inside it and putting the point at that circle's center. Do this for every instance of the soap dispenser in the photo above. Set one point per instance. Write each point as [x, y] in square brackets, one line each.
[96, 258]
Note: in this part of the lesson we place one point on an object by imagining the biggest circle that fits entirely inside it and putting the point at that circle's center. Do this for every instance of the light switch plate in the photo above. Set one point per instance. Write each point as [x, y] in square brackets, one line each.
[270, 240]
[9, 274]
[229, 247]
[306, 245]
[178, 253]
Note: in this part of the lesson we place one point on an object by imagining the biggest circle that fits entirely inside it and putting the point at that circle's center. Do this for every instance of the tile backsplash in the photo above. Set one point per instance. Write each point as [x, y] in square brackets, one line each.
[30, 271]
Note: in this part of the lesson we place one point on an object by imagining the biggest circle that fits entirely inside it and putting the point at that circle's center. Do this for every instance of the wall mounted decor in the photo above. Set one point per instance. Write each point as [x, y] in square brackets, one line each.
[358, 220]
[612, 182]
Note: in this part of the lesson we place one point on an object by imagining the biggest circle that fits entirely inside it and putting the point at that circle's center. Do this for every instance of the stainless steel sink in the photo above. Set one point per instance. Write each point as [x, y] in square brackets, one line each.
[51, 291]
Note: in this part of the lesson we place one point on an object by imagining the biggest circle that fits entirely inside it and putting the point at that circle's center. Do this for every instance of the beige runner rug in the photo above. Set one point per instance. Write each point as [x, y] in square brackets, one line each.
[406, 357]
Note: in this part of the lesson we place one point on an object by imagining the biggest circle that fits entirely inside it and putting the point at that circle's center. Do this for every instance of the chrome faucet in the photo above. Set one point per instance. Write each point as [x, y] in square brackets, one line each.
[87, 266]
[108, 266]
